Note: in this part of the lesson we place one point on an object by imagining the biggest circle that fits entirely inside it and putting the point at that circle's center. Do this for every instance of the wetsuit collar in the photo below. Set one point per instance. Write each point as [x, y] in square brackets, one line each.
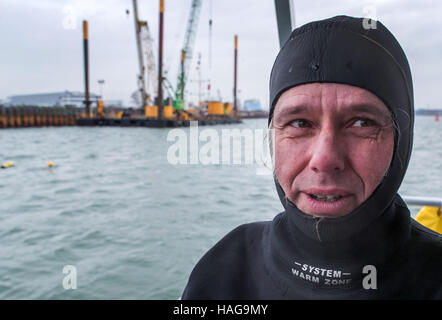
[324, 252]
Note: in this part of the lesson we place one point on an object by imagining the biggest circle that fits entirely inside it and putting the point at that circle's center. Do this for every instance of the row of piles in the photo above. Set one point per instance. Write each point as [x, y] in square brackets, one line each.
[19, 117]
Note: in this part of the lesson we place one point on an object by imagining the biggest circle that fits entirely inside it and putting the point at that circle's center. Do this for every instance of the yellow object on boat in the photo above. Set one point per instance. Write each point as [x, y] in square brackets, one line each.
[431, 218]
[50, 164]
[151, 111]
[168, 112]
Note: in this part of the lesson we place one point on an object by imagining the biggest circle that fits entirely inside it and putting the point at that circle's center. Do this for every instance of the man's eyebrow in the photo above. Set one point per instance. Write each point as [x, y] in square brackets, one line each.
[288, 110]
[367, 108]
[372, 109]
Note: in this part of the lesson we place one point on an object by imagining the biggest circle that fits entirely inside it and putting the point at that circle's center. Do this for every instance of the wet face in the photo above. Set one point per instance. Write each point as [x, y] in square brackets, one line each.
[333, 146]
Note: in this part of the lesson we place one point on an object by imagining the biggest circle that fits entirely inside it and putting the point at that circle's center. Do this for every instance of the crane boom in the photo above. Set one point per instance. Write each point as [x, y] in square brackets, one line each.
[141, 78]
[187, 50]
[148, 52]
[146, 90]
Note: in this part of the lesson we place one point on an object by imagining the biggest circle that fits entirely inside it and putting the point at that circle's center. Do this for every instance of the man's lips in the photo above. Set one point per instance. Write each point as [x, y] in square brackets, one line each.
[331, 192]
[320, 201]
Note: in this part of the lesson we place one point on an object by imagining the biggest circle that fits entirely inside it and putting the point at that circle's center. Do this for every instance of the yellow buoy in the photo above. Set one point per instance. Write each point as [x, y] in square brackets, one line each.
[7, 164]
[50, 164]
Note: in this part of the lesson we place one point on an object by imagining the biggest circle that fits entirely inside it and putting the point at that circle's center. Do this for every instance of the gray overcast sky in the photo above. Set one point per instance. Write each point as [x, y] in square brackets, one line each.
[41, 41]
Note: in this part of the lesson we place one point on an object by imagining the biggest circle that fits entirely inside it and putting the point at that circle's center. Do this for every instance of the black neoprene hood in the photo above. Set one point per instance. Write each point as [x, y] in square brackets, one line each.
[341, 50]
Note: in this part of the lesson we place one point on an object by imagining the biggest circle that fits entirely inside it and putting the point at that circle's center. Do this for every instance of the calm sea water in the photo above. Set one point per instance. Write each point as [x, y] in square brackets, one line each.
[132, 224]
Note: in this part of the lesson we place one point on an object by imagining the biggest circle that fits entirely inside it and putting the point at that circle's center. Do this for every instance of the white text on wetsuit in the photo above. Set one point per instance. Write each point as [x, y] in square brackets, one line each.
[321, 275]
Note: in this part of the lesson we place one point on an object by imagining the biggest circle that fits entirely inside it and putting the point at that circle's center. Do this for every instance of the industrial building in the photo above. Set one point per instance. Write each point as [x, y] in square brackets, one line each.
[252, 105]
[55, 99]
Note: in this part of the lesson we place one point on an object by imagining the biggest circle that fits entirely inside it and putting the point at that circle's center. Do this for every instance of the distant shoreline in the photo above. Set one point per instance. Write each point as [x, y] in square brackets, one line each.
[428, 112]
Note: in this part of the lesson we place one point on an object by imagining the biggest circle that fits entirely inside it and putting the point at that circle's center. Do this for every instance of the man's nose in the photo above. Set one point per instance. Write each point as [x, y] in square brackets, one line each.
[327, 152]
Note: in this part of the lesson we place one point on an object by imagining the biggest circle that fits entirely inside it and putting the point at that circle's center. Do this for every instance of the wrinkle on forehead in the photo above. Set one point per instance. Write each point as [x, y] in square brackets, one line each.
[324, 96]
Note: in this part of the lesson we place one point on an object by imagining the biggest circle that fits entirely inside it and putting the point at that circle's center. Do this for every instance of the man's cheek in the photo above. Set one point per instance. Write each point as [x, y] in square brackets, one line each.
[280, 168]
[286, 173]
[373, 160]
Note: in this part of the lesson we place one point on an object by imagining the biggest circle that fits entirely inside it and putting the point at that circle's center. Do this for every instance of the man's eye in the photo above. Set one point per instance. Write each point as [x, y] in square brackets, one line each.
[364, 123]
[300, 123]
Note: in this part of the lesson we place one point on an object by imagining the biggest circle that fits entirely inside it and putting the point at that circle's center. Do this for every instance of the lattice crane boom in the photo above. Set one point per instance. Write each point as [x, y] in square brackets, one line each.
[145, 50]
[187, 50]
[148, 52]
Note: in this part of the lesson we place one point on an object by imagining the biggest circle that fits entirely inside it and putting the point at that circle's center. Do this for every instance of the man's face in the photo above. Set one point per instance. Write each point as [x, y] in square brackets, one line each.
[333, 145]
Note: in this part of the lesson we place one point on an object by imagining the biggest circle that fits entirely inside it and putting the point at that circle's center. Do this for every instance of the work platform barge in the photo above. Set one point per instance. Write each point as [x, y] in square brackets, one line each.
[21, 117]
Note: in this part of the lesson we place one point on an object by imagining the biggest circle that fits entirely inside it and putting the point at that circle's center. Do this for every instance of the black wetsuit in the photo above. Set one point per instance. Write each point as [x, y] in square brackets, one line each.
[375, 252]
[284, 259]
